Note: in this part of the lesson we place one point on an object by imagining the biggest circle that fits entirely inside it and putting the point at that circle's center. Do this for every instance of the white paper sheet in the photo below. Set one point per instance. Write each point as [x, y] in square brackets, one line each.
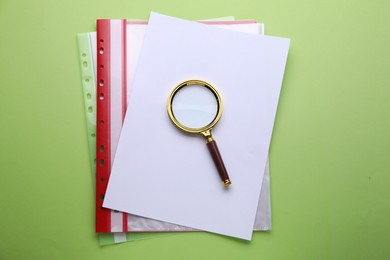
[170, 176]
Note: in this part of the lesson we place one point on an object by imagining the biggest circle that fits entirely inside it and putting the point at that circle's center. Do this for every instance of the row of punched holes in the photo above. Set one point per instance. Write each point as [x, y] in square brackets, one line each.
[101, 97]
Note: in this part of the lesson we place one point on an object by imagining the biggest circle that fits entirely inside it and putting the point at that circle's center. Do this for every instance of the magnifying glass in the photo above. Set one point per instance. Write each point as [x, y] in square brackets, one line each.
[195, 106]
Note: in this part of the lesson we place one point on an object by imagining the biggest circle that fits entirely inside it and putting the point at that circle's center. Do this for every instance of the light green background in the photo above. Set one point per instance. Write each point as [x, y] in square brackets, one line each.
[330, 165]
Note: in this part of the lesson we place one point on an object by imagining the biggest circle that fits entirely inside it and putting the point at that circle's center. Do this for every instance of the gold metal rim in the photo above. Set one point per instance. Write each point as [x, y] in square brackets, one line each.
[188, 129]
[226, 183]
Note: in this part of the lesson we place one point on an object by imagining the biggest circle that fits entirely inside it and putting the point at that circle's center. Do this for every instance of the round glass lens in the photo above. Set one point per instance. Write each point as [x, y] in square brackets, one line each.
[194, 106]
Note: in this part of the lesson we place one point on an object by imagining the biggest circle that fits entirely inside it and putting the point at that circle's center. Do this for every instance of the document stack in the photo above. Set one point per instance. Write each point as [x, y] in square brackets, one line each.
[152, 173]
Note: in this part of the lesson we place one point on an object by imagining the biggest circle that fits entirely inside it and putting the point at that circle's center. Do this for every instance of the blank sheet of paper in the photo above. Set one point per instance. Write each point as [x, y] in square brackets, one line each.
[162, 173]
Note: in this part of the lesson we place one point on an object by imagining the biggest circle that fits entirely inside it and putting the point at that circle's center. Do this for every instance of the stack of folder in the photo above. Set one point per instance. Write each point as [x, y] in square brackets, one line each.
[152, 179]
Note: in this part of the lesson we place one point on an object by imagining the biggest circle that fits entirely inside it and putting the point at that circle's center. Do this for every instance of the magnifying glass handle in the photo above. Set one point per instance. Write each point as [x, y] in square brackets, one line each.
[213, 149]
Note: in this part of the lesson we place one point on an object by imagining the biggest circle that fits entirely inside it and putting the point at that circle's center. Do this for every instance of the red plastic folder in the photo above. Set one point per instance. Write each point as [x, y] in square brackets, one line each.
[103, 131]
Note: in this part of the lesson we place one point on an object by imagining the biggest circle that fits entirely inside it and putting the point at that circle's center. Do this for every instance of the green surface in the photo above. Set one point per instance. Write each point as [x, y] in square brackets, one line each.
[329, 155]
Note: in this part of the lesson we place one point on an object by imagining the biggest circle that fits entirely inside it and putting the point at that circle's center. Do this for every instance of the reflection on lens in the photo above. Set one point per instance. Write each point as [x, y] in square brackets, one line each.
[194, 106]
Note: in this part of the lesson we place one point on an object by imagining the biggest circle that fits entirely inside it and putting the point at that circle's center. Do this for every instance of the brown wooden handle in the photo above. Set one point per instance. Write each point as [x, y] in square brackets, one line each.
[213, 149]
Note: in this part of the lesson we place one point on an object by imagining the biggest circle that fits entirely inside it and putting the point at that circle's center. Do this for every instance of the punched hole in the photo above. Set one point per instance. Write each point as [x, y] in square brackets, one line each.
[86, 80]
[102, 179]
[101, 50]
[84, 55]
[90, 109]
[101, 162]
[101, 96]
[101, 41]
[101, 148]
[101, 66]
[85, 64]
[89, 96]
[101, 197]
[93, 134]
[101, 83]
[102, 122]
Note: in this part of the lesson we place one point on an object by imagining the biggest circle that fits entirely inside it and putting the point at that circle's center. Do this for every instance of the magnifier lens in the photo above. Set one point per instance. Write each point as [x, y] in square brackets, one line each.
[194, 106]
